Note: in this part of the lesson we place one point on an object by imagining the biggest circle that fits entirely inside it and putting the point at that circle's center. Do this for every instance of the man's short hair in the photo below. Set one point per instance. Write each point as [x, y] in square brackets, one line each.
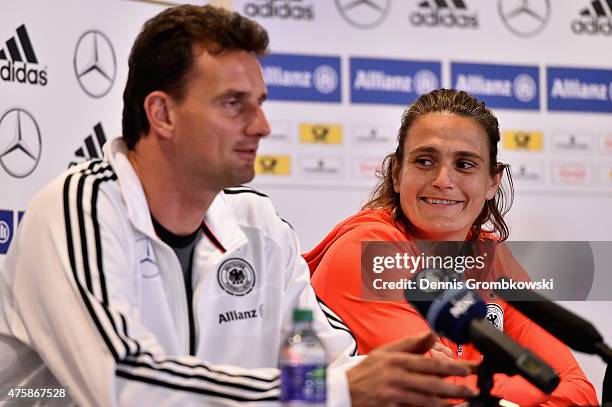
[163, 55]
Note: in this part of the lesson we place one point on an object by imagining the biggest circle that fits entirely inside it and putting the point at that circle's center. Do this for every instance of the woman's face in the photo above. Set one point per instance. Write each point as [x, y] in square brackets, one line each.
[444, 179]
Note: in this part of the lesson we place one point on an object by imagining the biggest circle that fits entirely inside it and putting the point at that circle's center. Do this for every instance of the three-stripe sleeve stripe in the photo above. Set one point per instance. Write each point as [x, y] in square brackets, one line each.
[204, 391]
[336, 322]
[93, 178]
[203, 373]
[84, 242]
[73, 263]
[200, 365]
[98, 240]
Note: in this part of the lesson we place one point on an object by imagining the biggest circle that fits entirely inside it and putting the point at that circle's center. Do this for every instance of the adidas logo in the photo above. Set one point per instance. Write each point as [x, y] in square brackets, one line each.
[444, 13]
[92, 148]
[598, 9]
[595, 19]
[287, 9]
[20, 54]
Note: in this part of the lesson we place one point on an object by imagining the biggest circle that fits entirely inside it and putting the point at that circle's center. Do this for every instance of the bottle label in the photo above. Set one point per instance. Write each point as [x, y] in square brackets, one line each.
[305, 383]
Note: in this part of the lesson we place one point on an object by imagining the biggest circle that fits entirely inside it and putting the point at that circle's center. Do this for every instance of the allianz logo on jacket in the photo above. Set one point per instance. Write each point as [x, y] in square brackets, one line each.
[234, 315]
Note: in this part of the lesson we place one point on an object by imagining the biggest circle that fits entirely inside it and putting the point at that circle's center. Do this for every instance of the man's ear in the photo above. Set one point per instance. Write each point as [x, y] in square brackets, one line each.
[157, 106]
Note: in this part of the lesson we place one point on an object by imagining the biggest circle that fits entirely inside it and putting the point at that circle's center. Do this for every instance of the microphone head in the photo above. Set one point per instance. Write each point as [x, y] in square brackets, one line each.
[430, 284]
[451, 313]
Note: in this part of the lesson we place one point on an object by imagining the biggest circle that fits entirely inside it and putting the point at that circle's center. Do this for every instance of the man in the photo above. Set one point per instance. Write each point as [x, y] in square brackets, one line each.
[151, 277]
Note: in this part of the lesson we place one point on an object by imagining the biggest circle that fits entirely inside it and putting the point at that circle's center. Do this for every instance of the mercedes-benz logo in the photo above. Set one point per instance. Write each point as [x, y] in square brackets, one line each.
[364, 13]
[20, 143]
[525, 18]
[95, 65]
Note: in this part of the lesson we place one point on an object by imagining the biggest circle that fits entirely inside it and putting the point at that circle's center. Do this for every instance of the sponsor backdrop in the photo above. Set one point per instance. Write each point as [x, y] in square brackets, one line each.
[339, 75]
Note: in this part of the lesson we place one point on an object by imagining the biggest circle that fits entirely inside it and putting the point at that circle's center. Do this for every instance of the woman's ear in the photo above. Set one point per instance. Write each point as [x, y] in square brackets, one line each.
[495, 181]
[396, 174]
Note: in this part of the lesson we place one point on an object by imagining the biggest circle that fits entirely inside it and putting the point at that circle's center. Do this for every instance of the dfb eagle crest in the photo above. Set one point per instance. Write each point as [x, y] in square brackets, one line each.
[495, 315]
[236, 276]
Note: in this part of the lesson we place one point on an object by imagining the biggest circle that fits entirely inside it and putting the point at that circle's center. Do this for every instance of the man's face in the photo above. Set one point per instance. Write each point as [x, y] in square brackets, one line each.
[219, 122]
[445, 177]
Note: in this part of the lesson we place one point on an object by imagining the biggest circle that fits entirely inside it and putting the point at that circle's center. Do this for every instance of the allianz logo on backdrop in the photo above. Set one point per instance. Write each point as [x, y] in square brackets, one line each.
[574, 88]
[281, 9]
[310, 78]
[595, 19]
[444, 13]
[6, 230]
[500, 86]
[392, 81]
[571, 89]
[7, 227]
[15, 57]
[302, 77]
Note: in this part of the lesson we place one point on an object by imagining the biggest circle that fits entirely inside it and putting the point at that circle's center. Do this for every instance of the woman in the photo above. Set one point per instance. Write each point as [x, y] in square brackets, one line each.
[442, 183]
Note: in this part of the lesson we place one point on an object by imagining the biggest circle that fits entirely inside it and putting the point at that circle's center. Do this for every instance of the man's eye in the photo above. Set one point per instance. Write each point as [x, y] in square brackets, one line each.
[232, 102]
[465, 165]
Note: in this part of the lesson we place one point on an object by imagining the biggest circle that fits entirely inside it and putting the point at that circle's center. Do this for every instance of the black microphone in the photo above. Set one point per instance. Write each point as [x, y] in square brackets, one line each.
[458, 314]
[576, 332]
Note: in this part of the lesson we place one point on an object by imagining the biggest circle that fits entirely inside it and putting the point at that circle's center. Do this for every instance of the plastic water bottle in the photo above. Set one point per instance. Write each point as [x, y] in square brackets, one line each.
[303, 362]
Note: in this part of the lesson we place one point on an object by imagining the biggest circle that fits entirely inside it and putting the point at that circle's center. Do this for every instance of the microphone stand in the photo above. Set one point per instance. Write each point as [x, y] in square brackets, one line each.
[605, 352]
[606, 397]
[485, 373]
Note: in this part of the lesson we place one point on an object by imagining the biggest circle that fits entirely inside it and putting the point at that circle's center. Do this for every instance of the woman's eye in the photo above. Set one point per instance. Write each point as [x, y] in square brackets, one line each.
[425, 162]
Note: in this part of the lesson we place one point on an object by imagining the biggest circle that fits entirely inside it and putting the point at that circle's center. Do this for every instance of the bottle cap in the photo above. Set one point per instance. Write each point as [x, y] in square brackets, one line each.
[302, 315]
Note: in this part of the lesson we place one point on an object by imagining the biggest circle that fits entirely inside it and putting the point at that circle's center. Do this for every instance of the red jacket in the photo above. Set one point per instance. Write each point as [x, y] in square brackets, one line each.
[335, 266]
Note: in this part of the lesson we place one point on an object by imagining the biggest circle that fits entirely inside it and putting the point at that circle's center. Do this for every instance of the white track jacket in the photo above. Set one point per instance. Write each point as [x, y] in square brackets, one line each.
[92, 299]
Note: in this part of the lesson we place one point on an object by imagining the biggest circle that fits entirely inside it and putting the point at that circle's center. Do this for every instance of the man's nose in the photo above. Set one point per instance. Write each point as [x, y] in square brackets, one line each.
[259, 126]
